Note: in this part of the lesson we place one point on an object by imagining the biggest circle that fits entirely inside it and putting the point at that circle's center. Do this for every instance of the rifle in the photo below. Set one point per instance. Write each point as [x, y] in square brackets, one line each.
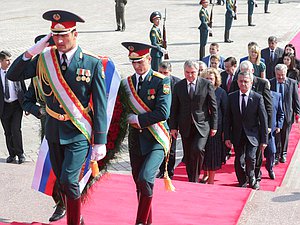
[164, 43]
[210, 22]
[234, 10]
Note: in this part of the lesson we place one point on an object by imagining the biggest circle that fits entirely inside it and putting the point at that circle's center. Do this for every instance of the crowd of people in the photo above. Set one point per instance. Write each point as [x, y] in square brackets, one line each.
[219, 106]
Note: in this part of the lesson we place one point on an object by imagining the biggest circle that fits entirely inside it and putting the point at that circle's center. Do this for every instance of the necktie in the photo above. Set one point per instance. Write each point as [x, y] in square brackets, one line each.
[281, 90]
[229, 83]
[140, 85]
[243, 103]
[191, 92]
[272, 55]
[64, 64]
[6, 91]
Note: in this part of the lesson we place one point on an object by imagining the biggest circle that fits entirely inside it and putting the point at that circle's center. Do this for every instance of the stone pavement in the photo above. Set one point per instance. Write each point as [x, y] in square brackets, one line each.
[21, 22]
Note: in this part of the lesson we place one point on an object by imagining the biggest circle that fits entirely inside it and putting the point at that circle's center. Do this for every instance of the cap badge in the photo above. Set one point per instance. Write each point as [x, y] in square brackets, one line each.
[56, 16]
[131, 48]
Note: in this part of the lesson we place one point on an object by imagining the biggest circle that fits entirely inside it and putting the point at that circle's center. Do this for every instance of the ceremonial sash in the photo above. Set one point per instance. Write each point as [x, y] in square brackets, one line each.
[158, 130]
[49, 69]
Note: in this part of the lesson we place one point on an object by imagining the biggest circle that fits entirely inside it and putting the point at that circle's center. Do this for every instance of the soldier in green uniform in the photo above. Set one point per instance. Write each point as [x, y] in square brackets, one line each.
[120, 14]
[149, 98]
[70, 78]
[229, 15]
[204, 29]
[156, 40]
[251, 4]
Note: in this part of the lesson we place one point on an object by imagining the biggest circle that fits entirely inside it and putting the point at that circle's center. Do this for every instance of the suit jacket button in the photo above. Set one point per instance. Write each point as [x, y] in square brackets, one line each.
[60, 106]
[140, 131]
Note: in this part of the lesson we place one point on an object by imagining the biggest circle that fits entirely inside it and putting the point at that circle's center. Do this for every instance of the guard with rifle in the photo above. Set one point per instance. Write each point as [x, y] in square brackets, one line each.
[156, 40]
[204, 27]
[229, 16]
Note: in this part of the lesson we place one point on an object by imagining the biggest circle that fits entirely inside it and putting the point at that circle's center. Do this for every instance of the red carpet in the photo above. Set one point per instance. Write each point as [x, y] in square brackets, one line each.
[226, 175]
[114, 202]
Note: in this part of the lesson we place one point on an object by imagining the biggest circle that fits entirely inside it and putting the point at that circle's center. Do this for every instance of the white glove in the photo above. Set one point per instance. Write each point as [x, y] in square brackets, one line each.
[98, 152]
[133, 120]
[39, 46]
[164, 51]
[210, 30]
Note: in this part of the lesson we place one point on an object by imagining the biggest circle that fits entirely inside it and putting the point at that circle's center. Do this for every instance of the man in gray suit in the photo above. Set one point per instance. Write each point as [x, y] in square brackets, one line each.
[11, 112]
[194, 112]
[291, 106]
[120, 14]
[271, 56]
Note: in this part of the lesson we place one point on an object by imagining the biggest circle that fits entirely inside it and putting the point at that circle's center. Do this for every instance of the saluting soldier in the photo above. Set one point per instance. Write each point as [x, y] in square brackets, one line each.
[70, 77]
[251, 4]
[204, 29]
[156, 40]
[229, 15]
[148, 140]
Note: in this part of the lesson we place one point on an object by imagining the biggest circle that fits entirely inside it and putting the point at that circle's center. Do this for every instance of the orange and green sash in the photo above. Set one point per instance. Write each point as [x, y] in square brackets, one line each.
[158, 130]
[49, 72]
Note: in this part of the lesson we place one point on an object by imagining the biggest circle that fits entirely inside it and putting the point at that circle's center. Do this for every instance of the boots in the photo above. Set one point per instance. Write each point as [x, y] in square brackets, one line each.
[226, 37]
[250, 21]
[201, 52]
[144, 209]
[74, 212]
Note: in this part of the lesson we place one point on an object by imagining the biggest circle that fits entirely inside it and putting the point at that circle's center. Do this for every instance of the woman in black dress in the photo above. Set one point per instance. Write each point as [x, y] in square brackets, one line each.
[293, 72]
[214, 147]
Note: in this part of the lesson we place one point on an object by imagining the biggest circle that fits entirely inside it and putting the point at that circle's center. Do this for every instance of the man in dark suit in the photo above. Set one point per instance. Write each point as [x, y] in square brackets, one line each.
[277, 123]
[165, 68]
[69, 77]
[11, 113]
[262, 87]
[214, 49]
[246, 128]
[229, 74]
[291, 106]
[194, 112]
[271, 56]
[149, 97]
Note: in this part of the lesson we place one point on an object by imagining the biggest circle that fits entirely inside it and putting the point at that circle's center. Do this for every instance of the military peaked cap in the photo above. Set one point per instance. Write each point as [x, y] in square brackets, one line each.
[63, 22]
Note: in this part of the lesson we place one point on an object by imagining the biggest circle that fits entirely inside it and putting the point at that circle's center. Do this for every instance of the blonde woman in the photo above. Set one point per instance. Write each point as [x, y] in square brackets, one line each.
[214, 149]
[254, 57]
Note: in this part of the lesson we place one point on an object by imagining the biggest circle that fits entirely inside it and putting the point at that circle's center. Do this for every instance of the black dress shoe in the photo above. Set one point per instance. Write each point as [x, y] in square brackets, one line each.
[10, 159]
[283, 159]
[251, 25]
[256, 186]
[59, 213]
[267, 12]
[118, 29]
[21, 159]
[252, 182]
[228, 41]
[271, 175]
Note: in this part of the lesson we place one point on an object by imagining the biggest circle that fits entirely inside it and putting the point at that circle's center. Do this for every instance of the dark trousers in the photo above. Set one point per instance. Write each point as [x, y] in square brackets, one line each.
[258, 164]
[172, 160]
[244, 163]
[270, 159]
[67, 161]
[11, 122]
[144, 168]
[120, 17]
[193, 149]
[282, 140]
